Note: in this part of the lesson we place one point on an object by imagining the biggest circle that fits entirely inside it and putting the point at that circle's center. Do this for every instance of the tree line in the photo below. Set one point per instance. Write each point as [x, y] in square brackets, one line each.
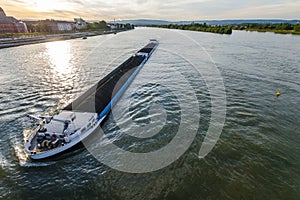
[199, 27]
[277, 28]
[98, 25]
[285, 28]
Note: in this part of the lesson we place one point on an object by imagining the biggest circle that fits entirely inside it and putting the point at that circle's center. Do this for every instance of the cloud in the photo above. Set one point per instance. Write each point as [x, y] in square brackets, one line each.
[152, 9]
[286, 10]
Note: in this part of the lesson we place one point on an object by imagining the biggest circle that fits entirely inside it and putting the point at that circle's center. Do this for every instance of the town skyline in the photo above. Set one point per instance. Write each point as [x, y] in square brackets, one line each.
[152, 9]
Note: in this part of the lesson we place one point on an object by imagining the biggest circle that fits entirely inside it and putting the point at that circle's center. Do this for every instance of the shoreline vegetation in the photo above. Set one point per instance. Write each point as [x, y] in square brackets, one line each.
[282, 28]
[199, 27]
[40, 34]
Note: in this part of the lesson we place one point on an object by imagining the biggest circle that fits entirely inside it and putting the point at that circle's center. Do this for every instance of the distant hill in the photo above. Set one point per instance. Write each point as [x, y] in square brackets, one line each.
[258, 21]
[147, 22]
[144, 22]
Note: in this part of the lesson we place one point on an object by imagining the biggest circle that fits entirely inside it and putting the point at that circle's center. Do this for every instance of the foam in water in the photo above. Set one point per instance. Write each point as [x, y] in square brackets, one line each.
[24, 160]
[4, 163]
[36, 164]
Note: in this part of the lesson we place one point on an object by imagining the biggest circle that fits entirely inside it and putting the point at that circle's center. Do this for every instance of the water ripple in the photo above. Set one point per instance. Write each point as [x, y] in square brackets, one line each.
[256, 157]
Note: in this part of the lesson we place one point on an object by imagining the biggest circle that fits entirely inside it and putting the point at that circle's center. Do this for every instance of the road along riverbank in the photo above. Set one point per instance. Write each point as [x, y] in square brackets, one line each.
[26, 40]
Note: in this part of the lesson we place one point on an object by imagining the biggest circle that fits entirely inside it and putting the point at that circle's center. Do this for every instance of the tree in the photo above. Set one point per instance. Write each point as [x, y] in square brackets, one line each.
[228, 30]
[31, 28]
[93, 26]
[297, 27]
[41, 27]
[103, 25]
[127, 26]
[284, 27]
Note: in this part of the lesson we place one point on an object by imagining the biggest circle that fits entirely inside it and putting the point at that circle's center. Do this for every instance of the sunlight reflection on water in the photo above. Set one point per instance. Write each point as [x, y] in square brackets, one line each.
[60, 56]
[258, 149]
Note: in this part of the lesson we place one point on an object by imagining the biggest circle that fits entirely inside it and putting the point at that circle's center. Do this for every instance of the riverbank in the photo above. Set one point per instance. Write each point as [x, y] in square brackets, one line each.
[199, 27]
[273, 31]
[256, 156]
[283, 28]
[34, 39]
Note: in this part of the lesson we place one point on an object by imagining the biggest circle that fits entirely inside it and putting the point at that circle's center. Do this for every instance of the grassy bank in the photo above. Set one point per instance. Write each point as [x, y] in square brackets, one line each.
[285, 28]
[10, 35]
[273, 31]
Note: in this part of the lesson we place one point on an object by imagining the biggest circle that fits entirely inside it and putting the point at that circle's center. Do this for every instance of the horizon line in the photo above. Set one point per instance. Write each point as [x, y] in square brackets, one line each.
[226, 19]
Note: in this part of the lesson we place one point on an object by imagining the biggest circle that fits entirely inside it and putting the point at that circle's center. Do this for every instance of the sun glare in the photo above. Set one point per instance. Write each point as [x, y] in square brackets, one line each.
[60, 56]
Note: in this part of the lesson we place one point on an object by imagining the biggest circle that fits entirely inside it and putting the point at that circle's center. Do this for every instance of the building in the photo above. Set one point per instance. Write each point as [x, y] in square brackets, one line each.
[116, 25]
[80, 24]
[10, 24]
[64, 26]
[2, 13]
[58, 26]
[50, 25]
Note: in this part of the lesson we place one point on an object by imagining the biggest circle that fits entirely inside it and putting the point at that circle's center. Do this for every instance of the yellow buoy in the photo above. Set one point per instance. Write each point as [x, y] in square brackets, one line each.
[278, 93]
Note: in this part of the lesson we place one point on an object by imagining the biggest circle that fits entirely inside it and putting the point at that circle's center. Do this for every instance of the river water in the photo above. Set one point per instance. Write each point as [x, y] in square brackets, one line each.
[257, 156]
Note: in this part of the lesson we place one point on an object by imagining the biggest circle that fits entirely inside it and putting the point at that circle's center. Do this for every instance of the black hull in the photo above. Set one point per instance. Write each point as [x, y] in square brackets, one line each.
[104, 91]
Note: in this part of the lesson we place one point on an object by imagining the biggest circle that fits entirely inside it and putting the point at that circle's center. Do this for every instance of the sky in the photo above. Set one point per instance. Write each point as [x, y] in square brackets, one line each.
[171, 10]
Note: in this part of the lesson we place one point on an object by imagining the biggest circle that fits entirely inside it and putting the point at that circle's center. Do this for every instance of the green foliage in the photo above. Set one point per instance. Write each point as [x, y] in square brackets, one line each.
[297, 27]
[200, 27]
[41, 27]
[92, 26]
[128, 26]
[283, 28]
[13, 35]
[103, 25]
[31, 27]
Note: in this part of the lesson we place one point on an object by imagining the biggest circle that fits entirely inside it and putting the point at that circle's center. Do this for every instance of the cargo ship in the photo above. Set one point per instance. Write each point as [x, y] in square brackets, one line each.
[57, 134]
